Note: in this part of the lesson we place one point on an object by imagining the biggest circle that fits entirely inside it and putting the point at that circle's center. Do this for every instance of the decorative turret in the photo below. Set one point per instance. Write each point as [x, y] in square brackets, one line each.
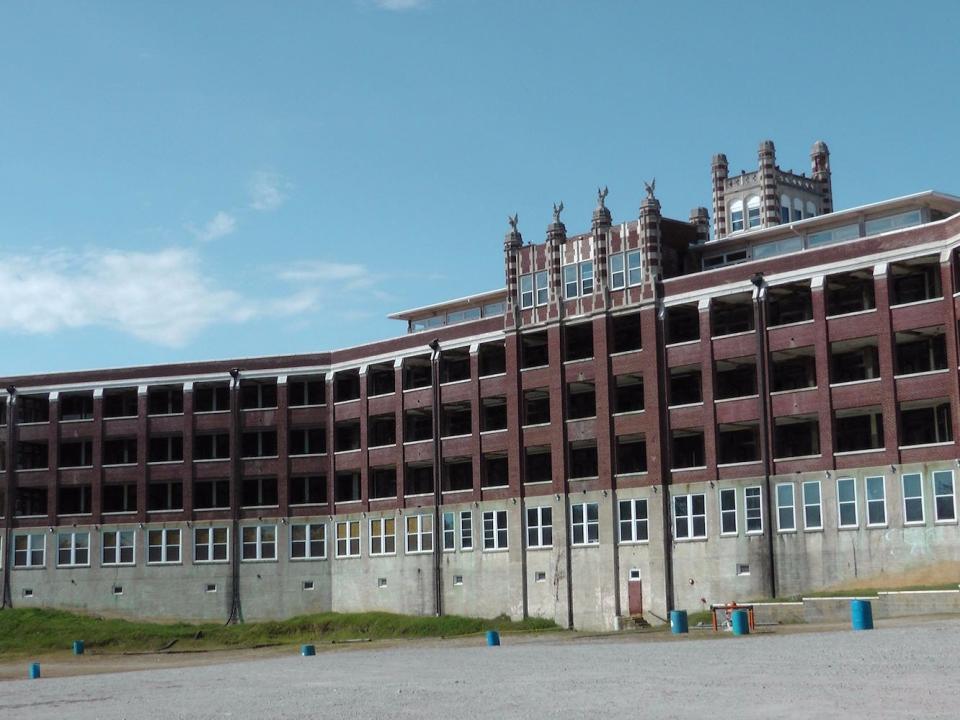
[820, 171]
[650, 236]
[512, 242]
[769, 202]
[700, 219]
[600, 225]
[556, 237]
[719, 171]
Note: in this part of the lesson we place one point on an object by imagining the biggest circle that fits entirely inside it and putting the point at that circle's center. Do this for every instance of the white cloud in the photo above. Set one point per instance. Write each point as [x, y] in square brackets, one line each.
[267, 191]
[399, 5]
[220, 225]
[320, 271]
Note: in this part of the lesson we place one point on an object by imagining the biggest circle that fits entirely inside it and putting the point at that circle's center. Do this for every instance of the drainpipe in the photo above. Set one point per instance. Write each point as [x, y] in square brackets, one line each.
[9, 502]
[236, 612]
[760, 330]
[435, 358]
[666, 460]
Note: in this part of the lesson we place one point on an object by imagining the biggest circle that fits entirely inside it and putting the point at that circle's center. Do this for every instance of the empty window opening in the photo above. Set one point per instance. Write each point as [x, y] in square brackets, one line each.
[578, 342]
[493, 413]
[307, 585]
[924, 422]
[346, 435]
[30, 501]
[796, 436]
[381, 379]
[119, 498]
[165, 496]
[492, 359]
[118, 589]
[33, 409]
[915, 280]
[583, 459]
[457, 474]
[209, 494]
[165, 400]
[455, 419]
[211, 397]
[166, 448]
[211, 446]
[631, 454]
[210, 588]
[308, 441]
[625, 333]
[537, 464]
[417, 372]
[32, 455]
[533, 350]
[346, 385]
[303, 391]
[258, 394]
[742, 569]
[736, 377]
[346, 486]
[27, 593]
[76, 453]
[731, 314]
[120, 451]
[120, 403]
[921, 350]
[687, 449]
[581, 400]
[496, 470]
[685, 385]
[682, 324]
[738, 443]
[536, 407]
[858, 429]
[854, 360]
[455, 365]
[382, 430]
[418, 479]
[73, 500]
[628, 393]
[259, 492]
[793, 369]
[540, 576]
[458, 579]
[383, 482]
[307, 490]
[418, 425]
[259, 443]
[850, 292]
[76, 406]
[790, 303]
[381, 583]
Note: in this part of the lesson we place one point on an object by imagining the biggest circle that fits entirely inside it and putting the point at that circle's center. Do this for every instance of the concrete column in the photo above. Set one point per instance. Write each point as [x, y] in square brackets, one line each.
[886, 350]
[821, 345]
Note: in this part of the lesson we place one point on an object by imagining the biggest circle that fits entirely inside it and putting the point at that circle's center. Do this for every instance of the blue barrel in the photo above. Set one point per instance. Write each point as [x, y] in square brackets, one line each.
[861, 615]
[493, 638]
[78, 647]
[34, 671]
[740, 622]
[308, 650]
[678, 622]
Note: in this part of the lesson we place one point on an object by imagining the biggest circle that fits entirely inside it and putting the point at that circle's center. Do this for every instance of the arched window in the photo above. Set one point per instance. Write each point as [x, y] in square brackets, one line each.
[797, 209]
[811, 210]
[753, 211]
[736, 216]
[784, 208]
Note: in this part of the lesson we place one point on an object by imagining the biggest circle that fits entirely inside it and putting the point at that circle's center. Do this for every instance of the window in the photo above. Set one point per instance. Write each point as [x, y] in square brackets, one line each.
[211, 398]
[262, 443]
[383, 536]
[540, 527]
[526, 291]
[308, 542]
[165, 401]
[586, 277]
[944, 504]
[164, 496]
[73, 549]
[209, 494]
[753, 500]
[570, 282]
[308, 490]
[585, 523]
[259, 542]
[206, 447]
[163, 546]
[913, 499]
[495, 530]
[634, 274]
[449, 531]
[753, 212]
[167, 448]
[786, 516]
[466, 530]
[728, 511]
[257, 394]
[812, 517]
[633, 521]
[259, 492]
[618, 278]
[736, 216]
[690, 516]
[210, 544]
[847, 502]
[419, 534]
[876, 502]
[348, 538]
[29, 550]
[117, 547]
[541, 287]
[307, 391]
[308, 441]
[120, 498]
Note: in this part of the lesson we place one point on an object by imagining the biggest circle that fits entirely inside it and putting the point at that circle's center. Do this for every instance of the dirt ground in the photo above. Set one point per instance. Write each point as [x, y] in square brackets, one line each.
[901, 669]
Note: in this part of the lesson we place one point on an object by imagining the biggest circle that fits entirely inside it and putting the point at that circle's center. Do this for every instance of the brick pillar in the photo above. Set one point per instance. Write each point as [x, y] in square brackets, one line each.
[143, 451]
[886, 351]
[364, 442]
[187, 474]
[650, 244]
[700, 219]
[948, 283]
[514, 395]
[820, 172]
[821, 346]
[601, 232]
[400, 456]
[556, 237]
[512, 243]
[769, 200]
[719, 170]
[710, 431]
[96, 484]
[283, 446]
[331, 462]
[53, 458]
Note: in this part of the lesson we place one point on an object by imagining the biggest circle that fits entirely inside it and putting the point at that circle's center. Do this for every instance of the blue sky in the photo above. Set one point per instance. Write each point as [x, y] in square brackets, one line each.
[186, 180]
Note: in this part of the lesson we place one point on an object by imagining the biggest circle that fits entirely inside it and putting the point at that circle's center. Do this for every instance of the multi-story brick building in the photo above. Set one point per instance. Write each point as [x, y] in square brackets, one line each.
[645, 415]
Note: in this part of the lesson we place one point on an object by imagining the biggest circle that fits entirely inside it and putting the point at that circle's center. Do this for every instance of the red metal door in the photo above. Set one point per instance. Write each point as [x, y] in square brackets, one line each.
[635, 597]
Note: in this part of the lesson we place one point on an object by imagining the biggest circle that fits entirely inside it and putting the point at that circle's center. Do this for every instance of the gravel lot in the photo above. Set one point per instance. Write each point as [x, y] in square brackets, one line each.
[903, 671]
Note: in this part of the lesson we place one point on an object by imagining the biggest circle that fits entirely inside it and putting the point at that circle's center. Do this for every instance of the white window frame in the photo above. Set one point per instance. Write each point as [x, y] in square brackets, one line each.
[818, 505]
[589, 530]
[781, 506]
[541, 284]
[586, 278]
[936, 496]
[615, 260]
[920, 497]
[571, 280]
[727, 513]
[735, 224]
[754, 220]
[118, 546]
[495, 535]
[165, 545]
[308, 541]
[634, 264]
[466, 530]
[753, 492]
[31, 541]
[350, 540]
[633, 521]
[377, 533]
[527, 294]
[449, 535]
[259, 544]
[540, 527]
[882, 500]
[840, 504]
[419, 538]
[211, 544]
[73, 549]
[690, 517]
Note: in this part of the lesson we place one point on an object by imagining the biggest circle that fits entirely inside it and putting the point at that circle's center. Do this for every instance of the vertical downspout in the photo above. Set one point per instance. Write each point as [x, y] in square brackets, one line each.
[9, 502]
[236, 611]
[760, 325]
[437, 495]
[666, 460]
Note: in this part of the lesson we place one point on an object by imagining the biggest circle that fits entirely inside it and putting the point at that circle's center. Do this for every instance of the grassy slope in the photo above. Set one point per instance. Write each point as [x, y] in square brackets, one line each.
[31, 630]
